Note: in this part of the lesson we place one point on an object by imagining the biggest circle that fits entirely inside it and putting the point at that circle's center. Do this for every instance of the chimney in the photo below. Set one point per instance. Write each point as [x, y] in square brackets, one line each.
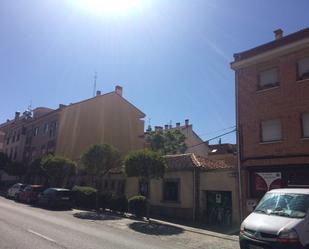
[61, 106]
[118, 90]
[278, 34]
[170, 126]
[165, 127]
[177, 125]
[17, 114]
[158, 128]
[98, 93]
[187, 122]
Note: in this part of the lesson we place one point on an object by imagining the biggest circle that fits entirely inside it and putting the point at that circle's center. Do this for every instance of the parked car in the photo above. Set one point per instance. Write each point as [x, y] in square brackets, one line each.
[280, 220]
[13, 192]
[30, 193]
[55, 198]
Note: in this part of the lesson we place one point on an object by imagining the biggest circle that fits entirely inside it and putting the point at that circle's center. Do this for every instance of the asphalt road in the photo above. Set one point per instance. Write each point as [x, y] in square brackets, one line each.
[26, 227]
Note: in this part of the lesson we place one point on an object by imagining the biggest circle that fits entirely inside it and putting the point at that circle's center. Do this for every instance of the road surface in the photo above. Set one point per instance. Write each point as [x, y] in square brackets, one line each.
[27, 227]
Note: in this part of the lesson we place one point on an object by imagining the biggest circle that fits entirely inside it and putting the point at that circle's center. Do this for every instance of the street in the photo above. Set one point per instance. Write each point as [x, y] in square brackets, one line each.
[27, 227]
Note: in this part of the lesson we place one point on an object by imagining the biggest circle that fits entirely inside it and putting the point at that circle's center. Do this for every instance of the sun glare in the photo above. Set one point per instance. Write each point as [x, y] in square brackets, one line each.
[109, 6]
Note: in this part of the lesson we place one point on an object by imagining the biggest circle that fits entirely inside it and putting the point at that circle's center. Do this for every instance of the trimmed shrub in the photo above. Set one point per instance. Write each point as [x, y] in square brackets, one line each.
[105, 200]
[84, 197]
[138, 205]
[119, 203]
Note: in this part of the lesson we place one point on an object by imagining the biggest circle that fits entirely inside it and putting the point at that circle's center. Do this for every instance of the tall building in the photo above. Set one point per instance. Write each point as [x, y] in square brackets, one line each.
[272, 104]
[70, 130]
[193, 141]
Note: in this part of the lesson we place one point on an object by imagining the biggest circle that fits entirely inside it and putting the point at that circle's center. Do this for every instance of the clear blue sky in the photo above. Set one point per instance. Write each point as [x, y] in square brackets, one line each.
[171, 56]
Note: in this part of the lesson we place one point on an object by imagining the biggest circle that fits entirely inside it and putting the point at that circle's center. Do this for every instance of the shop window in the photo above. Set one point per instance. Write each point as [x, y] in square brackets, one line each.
[171, 190]
[271, 130]
[305, 125]
[268, 78]
[303, 69]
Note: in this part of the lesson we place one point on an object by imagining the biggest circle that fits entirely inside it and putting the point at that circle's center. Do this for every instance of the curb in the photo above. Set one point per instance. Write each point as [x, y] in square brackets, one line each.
[200, 231]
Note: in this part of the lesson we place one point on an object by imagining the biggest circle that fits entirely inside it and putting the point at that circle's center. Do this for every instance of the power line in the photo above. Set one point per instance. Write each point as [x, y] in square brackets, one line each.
[212, 132]
[221, 135]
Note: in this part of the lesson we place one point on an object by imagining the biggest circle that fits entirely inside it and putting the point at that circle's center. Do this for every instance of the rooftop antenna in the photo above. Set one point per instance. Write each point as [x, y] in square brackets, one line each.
[95, 83]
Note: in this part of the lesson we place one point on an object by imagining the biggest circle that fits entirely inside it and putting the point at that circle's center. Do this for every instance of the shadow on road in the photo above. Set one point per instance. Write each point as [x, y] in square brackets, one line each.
[91, 215]
[155, 228]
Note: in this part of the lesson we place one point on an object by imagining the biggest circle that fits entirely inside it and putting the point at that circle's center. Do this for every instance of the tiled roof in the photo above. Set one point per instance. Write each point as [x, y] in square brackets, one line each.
[285, 40]
[190, 161]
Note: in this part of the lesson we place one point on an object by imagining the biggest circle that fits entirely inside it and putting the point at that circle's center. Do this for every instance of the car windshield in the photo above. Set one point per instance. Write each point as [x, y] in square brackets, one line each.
[288, 205]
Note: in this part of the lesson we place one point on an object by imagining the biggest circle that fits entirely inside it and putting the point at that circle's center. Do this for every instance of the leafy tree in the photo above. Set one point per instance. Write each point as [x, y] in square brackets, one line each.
[16, 169]
[35, 169]
[57, 169]
[146, 165]
[4, 160]
[166, 142]
[98, 160]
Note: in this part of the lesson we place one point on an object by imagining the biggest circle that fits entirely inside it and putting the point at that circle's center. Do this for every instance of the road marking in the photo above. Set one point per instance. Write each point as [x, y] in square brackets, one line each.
[41, 235]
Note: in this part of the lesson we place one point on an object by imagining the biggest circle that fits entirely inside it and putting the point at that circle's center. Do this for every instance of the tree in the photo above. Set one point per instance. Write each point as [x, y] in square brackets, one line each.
[56, 169]
[146, 165]
[166, 142]
[35, 169]
[16, 169]
[98, 160]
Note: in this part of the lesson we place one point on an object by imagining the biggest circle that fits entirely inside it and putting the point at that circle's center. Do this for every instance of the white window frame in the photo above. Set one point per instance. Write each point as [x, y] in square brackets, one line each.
[305, 123]
[271, 122]
[305, 74]
[270, 84]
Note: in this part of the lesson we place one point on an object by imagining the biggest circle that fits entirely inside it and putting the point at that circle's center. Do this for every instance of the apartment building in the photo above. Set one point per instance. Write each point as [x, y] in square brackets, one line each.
[272, 104]
[193, 142]
[70, 130]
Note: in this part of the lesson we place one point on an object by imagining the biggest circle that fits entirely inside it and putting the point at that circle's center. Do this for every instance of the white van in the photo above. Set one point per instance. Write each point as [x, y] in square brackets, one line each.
[280, 221]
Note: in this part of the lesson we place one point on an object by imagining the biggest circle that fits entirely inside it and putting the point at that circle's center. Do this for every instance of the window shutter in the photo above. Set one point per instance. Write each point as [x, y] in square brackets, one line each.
[269, 78]
[271, 130]
[303, 67]
[305, 121]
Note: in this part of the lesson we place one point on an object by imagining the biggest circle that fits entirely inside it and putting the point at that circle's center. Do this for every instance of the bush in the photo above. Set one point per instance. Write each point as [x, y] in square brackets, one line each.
[138, 205]
[105, 200]
[119, 203]
[84, 197]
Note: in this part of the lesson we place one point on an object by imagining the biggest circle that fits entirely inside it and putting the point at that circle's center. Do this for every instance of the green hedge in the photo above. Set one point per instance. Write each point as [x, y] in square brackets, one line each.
[84, 197]
[138, 205]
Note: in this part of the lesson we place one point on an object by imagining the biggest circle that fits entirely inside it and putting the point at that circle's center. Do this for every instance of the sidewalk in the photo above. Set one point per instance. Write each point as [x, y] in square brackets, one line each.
[128, 219]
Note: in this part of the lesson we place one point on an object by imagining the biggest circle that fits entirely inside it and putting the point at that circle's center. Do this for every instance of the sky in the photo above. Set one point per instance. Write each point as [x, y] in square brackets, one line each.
[172, 57]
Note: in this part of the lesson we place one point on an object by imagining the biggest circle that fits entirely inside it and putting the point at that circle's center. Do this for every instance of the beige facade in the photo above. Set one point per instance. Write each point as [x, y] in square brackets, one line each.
[105, 118]
[192, 180]
[70, 130]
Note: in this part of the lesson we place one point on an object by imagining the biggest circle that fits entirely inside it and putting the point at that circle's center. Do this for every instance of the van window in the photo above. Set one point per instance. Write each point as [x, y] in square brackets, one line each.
[288, 205]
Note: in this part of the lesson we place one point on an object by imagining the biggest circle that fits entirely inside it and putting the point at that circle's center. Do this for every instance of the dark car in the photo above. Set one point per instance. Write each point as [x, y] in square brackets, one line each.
[30, 193]
[55, 198]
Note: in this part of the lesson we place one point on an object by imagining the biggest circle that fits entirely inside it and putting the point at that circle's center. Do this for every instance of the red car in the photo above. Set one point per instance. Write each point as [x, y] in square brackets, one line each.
[30, 193]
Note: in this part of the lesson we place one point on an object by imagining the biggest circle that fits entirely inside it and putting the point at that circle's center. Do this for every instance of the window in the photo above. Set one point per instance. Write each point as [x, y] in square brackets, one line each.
[143, 188]
[271, 130]
[305, 125]
[268, 78]
[303, 69]
[36, 131]
[15, 153]
[46, 126]
[171, 190]
[18, 136]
